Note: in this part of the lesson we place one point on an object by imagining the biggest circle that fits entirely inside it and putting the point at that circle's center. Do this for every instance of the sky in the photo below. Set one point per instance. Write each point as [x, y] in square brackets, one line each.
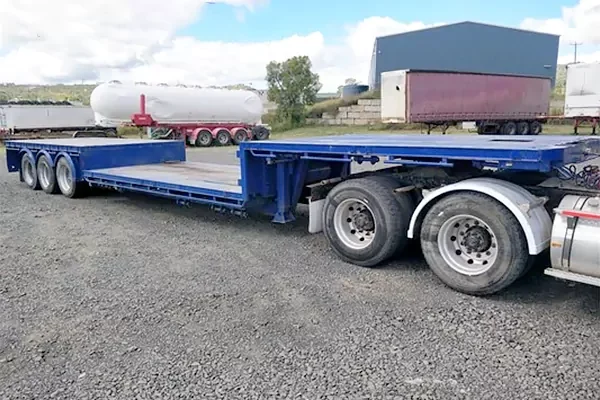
[223, 42]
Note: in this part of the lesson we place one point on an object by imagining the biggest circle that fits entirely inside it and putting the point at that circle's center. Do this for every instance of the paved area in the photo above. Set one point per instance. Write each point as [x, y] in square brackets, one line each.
[124, 297]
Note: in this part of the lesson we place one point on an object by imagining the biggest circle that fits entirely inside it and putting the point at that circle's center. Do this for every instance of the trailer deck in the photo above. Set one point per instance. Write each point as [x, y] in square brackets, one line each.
[517, 152]
[272, 174]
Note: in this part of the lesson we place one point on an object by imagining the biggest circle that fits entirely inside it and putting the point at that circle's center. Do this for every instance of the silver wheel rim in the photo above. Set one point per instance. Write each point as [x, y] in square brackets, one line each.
[28, 172]
[468, 245]
[354, 224]
[241, 136]
[205, 139]
[64, 178]
[222, 137]
[44, 173]
[524, 130]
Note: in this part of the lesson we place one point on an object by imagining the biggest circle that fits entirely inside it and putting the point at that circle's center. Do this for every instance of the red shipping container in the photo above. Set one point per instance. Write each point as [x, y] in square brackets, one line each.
[428, 96]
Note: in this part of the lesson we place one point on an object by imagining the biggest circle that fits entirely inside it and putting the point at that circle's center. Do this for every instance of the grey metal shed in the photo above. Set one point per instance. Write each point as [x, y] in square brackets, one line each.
[467, 47]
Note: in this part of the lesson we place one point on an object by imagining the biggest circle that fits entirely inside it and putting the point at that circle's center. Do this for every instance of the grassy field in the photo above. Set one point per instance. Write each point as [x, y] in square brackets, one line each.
[309, 131]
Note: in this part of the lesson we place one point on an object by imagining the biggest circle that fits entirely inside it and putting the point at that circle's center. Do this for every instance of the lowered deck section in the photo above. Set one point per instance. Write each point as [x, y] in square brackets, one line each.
[224, 178]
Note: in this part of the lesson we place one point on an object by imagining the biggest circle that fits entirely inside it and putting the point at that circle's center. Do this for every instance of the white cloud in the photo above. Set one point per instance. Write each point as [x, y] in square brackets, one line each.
[577, 24]
[65, 41]
[136, 40]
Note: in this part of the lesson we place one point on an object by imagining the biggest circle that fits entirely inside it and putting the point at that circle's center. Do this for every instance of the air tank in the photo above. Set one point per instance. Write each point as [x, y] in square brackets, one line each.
[114, 103]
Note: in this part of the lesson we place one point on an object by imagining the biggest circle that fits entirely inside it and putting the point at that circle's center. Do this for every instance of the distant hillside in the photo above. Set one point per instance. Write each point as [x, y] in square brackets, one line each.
[81, 93]
[73, 93]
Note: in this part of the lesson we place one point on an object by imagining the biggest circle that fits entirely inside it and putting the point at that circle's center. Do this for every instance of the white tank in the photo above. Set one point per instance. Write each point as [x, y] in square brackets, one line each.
[114, 103]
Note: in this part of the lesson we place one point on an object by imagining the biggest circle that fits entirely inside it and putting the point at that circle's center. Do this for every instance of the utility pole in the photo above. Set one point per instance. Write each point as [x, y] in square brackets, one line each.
[575, 44]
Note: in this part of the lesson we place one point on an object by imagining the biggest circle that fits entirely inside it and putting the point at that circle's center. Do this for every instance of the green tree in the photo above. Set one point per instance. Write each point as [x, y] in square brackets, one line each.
[292, 86]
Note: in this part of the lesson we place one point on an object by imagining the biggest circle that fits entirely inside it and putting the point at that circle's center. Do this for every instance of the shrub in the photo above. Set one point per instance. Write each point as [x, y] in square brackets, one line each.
[332, 106]
[130, 131]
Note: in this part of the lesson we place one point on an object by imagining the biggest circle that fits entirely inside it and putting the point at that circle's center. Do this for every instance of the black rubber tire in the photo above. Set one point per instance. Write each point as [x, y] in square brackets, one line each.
[204, 139]
[29, 173]
[509, 128]
[535, 128]
[223, 137]
[78, 189]
[45, 163]
[240, 136]
[513, 258]
[523, 128]
[407, 207]
[391, 219]
[261, 133]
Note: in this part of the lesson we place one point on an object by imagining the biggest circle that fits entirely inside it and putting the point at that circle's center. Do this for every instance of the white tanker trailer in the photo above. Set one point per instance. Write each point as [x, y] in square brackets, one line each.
[201, 115]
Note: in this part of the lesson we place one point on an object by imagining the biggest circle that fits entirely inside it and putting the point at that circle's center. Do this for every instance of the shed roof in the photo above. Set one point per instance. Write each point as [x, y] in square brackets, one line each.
[468, 23]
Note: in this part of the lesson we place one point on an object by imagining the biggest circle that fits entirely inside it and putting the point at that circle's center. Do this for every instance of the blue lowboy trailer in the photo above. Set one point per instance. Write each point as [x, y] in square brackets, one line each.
[482, 207]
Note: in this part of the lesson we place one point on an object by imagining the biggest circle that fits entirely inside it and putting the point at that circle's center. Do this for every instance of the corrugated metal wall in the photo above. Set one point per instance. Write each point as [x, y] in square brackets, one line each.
[467, 47]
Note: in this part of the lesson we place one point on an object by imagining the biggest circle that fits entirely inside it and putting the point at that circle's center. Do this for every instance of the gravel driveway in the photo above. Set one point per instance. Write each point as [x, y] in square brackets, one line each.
[116, 297]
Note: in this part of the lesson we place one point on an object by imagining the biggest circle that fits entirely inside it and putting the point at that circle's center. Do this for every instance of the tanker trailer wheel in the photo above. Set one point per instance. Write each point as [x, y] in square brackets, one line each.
[474, 244]
[223, 137]
[523, 128]
[241, 135]
[204, 138]
[29, 173]
[261, 133]
[509, 128]
[364, 222]
[535, 128]
[46, 175]
[65, 178]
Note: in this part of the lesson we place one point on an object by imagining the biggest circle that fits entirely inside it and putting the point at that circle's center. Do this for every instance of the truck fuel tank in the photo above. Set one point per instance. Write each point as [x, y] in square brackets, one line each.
[575, 242]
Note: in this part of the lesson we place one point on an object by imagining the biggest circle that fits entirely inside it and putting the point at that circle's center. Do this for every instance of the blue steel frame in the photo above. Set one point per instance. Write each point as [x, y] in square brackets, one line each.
[275, 173]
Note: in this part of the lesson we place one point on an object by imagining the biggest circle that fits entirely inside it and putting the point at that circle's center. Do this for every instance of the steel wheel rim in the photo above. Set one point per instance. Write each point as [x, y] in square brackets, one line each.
[524, 130]
[222, 137]
[261, 134]
[64, 178]
[205, 139]
[44, 174]
[468, 245]
[354, 224]
[28, 172]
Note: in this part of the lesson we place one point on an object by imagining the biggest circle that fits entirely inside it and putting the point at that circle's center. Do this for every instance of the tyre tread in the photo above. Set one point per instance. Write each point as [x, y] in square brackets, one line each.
[393, 210]
[498, 214]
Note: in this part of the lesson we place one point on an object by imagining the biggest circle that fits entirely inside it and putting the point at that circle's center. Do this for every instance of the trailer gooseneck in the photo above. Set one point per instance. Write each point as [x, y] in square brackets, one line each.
[483, 207]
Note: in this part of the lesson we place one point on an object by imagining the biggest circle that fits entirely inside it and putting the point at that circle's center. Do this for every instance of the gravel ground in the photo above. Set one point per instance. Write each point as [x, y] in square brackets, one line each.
[115, 297]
